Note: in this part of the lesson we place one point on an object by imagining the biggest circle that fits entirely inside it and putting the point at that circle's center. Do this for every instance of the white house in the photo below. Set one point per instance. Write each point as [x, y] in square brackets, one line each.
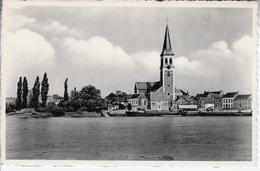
[228, 100]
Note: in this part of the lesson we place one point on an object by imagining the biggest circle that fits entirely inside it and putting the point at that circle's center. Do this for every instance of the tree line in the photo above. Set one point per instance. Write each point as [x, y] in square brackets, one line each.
[87, 99]
[22, 93]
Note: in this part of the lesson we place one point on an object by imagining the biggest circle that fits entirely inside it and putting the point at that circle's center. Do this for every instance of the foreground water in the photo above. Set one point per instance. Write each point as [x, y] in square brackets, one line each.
[130, 138]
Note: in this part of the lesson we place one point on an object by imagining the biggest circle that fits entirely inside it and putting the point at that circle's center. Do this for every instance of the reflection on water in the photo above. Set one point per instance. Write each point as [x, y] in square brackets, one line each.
[130, 138]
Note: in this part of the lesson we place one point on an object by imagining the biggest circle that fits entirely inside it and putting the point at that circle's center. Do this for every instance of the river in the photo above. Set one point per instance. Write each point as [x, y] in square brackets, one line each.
[130, 138]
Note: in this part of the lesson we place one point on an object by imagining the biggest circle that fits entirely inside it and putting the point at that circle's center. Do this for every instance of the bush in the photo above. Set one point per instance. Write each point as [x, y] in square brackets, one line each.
[64, 105]
[121, 106]
[9, 108]
[57, 111]
[129, 106]
[41, 109]
[53, 109]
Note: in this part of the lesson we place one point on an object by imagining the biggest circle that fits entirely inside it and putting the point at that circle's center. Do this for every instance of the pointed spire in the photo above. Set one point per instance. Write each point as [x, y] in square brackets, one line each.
[167, 48]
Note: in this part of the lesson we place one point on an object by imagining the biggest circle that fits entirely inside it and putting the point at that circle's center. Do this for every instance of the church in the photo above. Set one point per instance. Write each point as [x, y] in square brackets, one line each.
[161, 94]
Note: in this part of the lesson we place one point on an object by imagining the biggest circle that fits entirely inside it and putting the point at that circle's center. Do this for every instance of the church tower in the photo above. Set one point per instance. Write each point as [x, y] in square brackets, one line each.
[167, 68]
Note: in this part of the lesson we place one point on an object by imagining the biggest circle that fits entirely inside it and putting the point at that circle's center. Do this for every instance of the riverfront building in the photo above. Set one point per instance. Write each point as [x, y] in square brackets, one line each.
[243, 102]
[10, 100]
[228, 100]
[138, 101]
[210, 99]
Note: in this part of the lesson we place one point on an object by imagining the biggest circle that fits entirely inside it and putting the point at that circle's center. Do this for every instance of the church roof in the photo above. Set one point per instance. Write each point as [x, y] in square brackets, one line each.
[148, 86]
[178, 91]
[167, 47]
[184, 93]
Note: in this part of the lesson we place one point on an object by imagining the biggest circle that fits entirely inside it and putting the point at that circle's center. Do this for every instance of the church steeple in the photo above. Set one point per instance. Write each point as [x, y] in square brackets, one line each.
[167, 48]
[167, 69]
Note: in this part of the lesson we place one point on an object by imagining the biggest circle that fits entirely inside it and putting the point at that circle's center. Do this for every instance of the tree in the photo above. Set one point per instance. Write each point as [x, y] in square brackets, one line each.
[129, 106]
[75, 102]
[36, 92]
[44, 89]
[111, 98]
[25, 92]
[9, 107]
[18, 102]
[121, 96]
[91, 98]
[118, 96]
[66, 95]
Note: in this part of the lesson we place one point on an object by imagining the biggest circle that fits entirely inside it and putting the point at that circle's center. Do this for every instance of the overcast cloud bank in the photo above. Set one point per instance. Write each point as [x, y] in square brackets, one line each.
[33, 48]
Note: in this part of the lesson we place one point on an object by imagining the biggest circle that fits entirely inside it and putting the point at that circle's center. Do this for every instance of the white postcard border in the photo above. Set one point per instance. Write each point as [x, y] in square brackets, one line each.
[177, 4]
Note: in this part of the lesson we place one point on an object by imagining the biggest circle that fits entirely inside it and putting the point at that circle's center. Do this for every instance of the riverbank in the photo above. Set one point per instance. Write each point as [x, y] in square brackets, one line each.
[189, 113]
[33, 114]
[122, 113]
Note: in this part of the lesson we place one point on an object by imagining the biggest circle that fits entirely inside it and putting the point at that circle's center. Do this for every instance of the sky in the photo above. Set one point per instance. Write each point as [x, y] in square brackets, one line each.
[113, 47]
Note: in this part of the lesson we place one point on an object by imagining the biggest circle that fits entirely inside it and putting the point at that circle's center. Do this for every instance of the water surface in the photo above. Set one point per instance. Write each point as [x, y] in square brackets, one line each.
[130, 138]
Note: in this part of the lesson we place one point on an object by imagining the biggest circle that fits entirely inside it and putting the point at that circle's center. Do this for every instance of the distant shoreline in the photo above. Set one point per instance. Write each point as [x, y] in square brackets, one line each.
[128, 114]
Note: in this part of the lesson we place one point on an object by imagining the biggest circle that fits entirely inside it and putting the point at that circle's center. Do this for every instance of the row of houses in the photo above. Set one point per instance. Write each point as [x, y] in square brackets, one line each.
[208, 100]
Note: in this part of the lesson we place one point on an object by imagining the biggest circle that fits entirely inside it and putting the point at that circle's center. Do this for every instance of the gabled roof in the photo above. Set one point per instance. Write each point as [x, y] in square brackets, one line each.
[185, 97]
[201, 95]
[243, 97]
[206, 93]
[184, 93]
[177, 91]
[129, 96]
[230, 94]
[167, 47]
[148, 86]
[134, 96]
[215, 92]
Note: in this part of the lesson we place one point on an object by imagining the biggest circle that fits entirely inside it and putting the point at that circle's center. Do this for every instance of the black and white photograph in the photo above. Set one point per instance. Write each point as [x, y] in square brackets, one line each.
[130, 82]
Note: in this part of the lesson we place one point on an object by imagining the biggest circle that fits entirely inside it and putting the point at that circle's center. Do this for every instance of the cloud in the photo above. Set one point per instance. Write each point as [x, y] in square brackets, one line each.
[95, 51]
[218, 67]
[111, 68]
[105, 65]
[26, 53]
[99, 62]
[56, 28]
[48, 27]
[244, 46]
[17, 21]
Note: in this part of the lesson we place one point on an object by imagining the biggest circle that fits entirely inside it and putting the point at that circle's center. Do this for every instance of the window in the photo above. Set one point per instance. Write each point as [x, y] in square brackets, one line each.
[166, 60]
[168, 73]
[170, 60]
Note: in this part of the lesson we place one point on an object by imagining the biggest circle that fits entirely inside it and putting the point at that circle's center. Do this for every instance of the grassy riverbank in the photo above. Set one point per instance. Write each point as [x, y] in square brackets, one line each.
[30, 113]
